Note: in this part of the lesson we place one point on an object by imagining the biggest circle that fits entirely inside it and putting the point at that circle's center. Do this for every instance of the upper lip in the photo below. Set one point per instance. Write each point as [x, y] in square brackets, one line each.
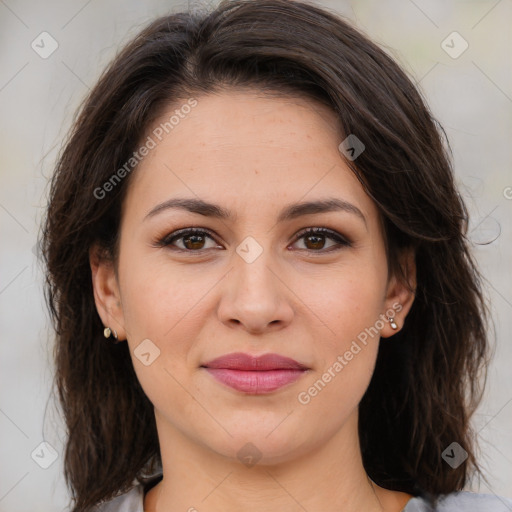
[247, 362]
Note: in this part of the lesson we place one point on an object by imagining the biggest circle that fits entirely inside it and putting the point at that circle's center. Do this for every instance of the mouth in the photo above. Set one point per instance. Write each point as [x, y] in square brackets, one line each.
[255, 375]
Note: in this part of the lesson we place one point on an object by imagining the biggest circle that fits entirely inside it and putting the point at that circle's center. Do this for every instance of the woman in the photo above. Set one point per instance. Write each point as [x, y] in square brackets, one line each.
[256, 208]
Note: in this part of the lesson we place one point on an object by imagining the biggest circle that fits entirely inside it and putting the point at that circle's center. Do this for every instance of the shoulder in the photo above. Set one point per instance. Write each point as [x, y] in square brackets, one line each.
[131, 501]
[462, 501]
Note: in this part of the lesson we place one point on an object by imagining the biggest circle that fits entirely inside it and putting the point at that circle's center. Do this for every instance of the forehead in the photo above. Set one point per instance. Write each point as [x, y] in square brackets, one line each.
[249, 148]
[231, 118]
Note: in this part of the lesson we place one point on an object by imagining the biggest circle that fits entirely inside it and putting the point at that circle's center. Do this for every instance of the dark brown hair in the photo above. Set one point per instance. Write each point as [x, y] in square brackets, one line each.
[429, 376]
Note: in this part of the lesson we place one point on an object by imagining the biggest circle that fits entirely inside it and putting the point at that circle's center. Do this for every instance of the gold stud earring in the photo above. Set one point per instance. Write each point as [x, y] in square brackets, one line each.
[392, 322]
[107, 332]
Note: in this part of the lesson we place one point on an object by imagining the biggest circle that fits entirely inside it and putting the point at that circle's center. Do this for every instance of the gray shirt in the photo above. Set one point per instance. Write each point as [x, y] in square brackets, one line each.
[133, 501]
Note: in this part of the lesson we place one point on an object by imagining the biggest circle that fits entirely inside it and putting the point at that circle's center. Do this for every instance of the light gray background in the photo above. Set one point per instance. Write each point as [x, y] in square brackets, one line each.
[471, 96]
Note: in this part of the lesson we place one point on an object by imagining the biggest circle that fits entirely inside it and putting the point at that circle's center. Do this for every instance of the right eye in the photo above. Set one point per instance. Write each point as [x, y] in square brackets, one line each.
[192, 240]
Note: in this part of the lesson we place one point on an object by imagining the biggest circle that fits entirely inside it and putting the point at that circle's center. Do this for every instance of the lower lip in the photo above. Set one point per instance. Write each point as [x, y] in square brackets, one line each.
[255, 382]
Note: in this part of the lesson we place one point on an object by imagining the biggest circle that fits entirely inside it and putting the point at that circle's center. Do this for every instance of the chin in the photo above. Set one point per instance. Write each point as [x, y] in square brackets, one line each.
[254, 445]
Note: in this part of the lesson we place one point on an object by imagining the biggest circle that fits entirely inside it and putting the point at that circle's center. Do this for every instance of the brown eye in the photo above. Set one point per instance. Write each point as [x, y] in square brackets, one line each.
[194, 240]
[191, 240]
[315, 239]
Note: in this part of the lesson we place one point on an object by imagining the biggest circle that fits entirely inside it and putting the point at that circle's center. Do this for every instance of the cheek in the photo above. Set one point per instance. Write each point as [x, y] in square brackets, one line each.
[159, 297]
[350, 303]
[345, 365]
[161, 305]
[346, 356]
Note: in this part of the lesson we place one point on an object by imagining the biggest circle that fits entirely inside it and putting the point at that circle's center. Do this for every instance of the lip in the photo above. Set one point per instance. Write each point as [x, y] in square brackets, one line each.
[255, 375]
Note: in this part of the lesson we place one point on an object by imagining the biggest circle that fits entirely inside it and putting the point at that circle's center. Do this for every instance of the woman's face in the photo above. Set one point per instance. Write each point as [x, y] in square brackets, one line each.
[250, 281]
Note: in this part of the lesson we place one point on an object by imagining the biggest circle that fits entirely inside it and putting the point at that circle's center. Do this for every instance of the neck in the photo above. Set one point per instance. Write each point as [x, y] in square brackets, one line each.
[328, 477]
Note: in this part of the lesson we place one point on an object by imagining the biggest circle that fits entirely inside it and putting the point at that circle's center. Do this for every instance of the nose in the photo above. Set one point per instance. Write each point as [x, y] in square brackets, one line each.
[255, 296]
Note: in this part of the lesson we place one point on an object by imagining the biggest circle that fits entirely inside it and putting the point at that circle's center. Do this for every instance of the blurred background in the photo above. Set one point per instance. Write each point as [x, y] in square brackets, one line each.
[52, 52]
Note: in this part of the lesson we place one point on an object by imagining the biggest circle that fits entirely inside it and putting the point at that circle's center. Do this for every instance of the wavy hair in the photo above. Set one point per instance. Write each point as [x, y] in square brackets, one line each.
[429, 377]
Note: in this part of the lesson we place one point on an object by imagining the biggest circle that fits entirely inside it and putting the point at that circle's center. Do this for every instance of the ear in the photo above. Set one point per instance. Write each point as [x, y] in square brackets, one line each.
[106, 291]
[400, 295]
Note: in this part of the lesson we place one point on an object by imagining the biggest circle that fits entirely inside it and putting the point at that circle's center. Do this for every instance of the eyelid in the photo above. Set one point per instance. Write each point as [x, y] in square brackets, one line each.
[179, 233]
[329, 233]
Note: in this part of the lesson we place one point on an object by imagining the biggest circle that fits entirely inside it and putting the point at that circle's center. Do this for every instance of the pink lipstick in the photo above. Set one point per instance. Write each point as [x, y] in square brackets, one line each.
[255, 375]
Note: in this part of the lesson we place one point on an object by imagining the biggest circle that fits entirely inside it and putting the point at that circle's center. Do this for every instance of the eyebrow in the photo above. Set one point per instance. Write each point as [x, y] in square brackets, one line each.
[288, 213]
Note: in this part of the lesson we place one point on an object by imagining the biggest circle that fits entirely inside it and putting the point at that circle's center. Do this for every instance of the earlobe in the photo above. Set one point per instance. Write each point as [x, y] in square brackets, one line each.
[400, 295]
[106, 291]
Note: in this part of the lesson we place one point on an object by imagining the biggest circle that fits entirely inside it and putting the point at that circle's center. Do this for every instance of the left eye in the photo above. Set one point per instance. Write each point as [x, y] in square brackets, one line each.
[317, 237]
[193, 239]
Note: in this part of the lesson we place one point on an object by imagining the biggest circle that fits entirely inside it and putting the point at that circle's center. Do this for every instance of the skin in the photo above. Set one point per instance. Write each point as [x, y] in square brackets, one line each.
[254, 155]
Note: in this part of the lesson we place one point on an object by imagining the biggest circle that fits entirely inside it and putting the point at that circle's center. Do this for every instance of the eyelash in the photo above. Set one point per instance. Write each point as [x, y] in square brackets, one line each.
[182, 233]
